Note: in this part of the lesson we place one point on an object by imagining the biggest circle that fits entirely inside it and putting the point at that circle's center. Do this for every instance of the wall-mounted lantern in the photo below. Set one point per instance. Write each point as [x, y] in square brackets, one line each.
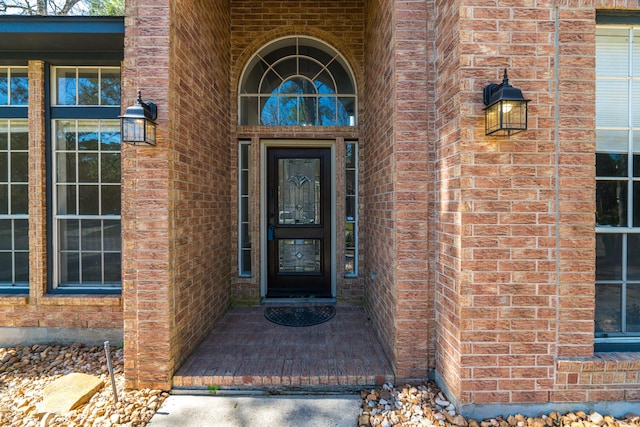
[506, 111]
[137, 124]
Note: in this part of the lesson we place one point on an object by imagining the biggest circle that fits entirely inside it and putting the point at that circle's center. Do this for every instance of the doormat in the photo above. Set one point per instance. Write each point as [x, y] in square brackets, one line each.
[300, 316]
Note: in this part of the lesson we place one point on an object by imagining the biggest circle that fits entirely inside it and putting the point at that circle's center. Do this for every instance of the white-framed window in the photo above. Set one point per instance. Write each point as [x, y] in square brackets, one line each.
[86, 178]
[14, 179]
[297, 81]
[14, 204]
[244, 210]
[351, 209]
[617, 314]
[14, 86]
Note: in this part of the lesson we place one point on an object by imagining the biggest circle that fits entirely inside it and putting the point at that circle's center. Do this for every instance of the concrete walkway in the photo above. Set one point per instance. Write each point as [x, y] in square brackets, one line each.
[258, 410]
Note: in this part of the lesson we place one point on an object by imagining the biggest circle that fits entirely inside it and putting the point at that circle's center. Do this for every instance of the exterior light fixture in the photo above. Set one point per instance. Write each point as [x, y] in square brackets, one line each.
[137, 124]
[506, 111]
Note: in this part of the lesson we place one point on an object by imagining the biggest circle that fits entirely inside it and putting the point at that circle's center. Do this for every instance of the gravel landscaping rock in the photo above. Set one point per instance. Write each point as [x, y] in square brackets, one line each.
[26, 371]
[425, 405]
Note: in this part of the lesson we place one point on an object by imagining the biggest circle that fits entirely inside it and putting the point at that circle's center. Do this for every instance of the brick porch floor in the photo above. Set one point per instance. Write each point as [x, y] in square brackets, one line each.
[245, 350]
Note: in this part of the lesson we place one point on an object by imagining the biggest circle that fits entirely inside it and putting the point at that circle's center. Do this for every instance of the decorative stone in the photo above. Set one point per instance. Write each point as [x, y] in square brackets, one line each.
[69, 392]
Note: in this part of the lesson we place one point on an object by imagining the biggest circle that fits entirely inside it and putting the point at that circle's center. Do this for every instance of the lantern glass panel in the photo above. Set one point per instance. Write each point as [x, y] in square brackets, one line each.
[133, 130]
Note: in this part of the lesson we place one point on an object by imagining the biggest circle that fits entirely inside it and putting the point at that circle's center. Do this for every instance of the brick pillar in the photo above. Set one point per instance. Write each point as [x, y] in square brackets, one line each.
[147, 292]
[515, 228]
[37, 183]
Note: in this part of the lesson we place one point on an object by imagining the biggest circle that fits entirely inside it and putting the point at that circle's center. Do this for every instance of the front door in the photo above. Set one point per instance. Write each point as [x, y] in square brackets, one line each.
[298, 222]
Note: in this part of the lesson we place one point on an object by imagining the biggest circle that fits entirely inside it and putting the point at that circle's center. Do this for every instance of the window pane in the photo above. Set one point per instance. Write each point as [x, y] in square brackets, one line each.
[6, 267]
[19, 135]
[609, 256]
[19, 199]
[610, 96]
[4, 199]
[110, 87]
[6, 239]
[110, 135]
[346, 111]
[612, 140]
[88, 167]
[65, 135]
[249, 110]
[66, 167]
[111, 200]
[21, 234]
[66, 199]
[633, 256]
[4, 86]
[66, 84]
[88, 200]
[22, 267]
[636, 205]
[112, 268]
[19, 167]
[69, 234]
[4, 166]
[611, 203]
[611, 164]
[91, 236]
[69, 267]
[91, 268]
[349, 262]
[4, 134]
[612, 52]
[633, 308]
[608, 309]
[327, 106]
[88, 134]
[110, 166]
[636, 165]
[88, 87]
[19, 87]
[112, 236]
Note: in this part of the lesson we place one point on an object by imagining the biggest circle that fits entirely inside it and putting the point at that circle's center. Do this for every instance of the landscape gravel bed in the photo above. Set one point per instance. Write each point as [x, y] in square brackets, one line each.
[425, 405]
[25, 371]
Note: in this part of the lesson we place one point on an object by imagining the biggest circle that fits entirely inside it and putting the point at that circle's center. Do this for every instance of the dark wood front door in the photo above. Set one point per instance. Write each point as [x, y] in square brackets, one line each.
[299, 222]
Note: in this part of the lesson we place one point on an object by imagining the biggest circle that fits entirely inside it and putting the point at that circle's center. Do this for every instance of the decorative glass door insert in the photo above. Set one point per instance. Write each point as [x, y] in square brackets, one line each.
[298, 222]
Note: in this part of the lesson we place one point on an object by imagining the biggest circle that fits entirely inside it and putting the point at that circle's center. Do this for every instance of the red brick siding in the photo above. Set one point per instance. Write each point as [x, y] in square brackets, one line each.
[177, 211]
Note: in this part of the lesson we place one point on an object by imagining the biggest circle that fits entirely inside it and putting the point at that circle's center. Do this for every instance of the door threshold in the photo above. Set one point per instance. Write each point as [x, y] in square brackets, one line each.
[272, 300]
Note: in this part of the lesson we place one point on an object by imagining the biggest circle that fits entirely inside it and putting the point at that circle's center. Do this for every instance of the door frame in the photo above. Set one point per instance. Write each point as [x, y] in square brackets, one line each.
[294, 143]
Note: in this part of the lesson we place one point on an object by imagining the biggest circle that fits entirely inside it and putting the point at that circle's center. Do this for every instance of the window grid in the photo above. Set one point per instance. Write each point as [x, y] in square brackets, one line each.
[351, 209]
[14, 86]
[617, 183]
[86, 179]
[86, 86]
[14, 218]
[297, 81]
[244, 210]
[87, 200]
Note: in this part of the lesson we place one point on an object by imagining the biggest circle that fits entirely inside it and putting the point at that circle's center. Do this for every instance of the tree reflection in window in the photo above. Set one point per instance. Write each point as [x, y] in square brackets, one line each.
[297, 82]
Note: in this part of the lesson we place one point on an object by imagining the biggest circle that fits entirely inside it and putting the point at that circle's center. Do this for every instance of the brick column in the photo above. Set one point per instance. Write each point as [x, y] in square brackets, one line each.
[37, 183]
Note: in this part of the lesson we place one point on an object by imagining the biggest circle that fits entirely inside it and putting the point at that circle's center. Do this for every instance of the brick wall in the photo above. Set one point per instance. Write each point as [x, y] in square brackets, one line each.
[515, 230]
[176, 200]
[398, 218]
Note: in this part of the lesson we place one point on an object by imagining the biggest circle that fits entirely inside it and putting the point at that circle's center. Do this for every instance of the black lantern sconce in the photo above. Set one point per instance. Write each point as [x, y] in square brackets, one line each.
[137, 124]
[506, 111]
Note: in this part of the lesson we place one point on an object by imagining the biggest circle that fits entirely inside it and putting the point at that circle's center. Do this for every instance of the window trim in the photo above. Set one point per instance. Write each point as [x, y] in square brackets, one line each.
[70, 112]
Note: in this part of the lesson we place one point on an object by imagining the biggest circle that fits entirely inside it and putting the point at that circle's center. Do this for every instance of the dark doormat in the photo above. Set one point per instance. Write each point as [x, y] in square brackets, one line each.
[300, 316]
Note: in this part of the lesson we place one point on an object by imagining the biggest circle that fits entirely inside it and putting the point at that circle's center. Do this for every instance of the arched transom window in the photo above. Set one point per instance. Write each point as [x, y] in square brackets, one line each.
[297, 81]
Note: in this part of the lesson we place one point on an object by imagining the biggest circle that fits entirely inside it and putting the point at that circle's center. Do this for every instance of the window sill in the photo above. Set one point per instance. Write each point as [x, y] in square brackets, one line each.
[82, 299]
[14, 299]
